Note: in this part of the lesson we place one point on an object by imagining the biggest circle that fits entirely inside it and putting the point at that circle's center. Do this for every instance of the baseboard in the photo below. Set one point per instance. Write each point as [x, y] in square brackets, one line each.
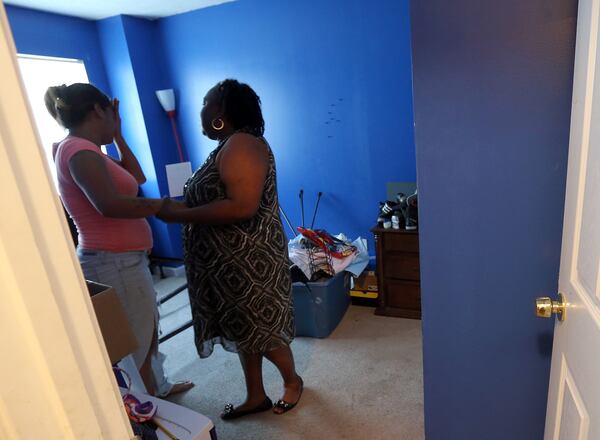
[174, 271]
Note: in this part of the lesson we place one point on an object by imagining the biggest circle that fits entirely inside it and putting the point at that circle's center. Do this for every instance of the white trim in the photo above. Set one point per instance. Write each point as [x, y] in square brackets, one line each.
[42, 57]
[57, 381]
[177, 271]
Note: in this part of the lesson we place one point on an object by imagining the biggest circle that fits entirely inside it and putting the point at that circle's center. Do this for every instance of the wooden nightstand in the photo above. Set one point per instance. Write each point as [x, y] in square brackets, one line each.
[398, 273]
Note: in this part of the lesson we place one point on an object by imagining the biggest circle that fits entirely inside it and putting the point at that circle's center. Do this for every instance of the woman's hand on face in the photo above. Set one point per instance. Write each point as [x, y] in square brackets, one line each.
[115, 104]
[169, 210]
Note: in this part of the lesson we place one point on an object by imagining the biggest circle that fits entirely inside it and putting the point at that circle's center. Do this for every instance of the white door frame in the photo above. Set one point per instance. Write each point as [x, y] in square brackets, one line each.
[57, 381]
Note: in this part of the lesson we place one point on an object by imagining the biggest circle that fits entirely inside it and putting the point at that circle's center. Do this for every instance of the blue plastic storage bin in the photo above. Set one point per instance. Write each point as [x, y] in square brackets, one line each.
[320, 309]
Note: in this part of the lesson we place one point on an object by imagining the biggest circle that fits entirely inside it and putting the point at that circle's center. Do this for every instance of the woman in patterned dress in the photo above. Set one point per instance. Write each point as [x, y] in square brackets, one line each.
[235, 249]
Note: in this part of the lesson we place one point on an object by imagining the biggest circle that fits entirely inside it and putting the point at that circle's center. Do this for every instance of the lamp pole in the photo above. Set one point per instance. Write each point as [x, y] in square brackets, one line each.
[166, 98]
[171, 116]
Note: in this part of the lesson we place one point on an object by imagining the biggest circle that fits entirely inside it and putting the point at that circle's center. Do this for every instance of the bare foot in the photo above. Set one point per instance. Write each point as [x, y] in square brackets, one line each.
[180, 387]
[291, 396]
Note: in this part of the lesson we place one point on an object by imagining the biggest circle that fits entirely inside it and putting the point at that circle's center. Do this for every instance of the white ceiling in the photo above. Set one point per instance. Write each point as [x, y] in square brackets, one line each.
[99, 9]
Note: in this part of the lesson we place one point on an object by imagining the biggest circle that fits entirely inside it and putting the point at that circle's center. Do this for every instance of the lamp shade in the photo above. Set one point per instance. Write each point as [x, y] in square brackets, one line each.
[167, 99]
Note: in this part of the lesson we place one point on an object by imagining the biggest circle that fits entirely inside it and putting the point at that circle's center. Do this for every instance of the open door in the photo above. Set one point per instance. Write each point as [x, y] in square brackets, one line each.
[57, 381]
[573, 411]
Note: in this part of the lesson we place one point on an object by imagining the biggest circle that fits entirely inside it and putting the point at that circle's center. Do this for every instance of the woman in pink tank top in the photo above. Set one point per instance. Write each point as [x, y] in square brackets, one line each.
[100, 195]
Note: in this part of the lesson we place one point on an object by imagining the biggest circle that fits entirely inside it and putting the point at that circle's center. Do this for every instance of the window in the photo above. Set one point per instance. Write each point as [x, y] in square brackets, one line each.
[38, 74]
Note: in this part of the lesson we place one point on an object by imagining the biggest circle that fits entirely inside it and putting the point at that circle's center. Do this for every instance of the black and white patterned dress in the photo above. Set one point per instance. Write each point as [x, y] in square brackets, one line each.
[238, 275]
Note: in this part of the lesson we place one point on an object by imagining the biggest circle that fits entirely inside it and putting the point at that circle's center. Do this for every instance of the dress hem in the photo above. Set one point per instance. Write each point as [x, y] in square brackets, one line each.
[206, 348]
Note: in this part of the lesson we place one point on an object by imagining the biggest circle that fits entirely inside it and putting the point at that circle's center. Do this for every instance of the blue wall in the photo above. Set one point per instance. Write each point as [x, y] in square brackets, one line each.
[147, 58]
[41, 33]
[335, 81]
[107, 49]
[133, 66]
[492, 99]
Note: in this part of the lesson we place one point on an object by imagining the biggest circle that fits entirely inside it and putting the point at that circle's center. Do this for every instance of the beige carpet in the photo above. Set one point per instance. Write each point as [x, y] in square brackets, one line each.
[363, 382]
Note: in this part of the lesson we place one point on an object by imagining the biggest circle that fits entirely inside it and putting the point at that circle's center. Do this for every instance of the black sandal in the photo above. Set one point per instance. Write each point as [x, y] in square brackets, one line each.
[287, 406]
[230, 413]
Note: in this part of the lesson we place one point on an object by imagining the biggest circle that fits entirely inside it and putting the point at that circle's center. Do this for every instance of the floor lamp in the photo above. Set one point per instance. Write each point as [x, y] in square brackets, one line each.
[166, 98]
[177, 173]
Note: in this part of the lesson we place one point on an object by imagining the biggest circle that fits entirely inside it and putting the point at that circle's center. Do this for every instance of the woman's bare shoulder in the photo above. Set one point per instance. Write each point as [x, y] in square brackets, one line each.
[244, 143]
[245, 139]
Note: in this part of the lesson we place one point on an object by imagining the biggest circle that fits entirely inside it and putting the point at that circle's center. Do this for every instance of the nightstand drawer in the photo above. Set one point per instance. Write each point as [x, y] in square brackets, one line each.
[402, 266]
[403, 295]
[398, 273]
[401, 242]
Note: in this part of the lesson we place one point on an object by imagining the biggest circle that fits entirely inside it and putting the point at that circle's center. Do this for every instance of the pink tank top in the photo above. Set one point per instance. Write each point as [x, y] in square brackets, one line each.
[96, 231]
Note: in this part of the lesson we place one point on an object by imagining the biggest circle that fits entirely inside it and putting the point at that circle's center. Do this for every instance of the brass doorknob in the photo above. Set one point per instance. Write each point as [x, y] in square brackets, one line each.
[545, 307]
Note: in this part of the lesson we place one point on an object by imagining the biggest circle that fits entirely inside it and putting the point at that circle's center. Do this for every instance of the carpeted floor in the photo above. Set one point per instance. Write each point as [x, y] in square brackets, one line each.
[363, 382]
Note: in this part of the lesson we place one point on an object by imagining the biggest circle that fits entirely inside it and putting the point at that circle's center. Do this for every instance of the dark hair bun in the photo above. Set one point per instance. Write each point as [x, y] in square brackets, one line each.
[242, 107]
[69, 105]
[54, 100]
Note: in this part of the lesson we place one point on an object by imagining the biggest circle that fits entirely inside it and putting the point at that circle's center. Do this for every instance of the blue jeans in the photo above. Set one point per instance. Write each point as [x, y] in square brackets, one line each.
[128, 274]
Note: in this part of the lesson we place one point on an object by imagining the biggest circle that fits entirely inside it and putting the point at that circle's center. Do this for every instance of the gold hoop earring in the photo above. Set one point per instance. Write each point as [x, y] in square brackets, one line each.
[217, 127]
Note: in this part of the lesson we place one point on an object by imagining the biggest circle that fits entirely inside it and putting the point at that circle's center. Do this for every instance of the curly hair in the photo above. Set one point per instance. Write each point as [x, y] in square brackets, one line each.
[241, 106]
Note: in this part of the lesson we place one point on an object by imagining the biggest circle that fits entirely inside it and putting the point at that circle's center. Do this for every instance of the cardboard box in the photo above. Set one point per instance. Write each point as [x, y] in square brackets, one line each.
[365, 286]
[363, 294]
[366, 282]
[112, 319]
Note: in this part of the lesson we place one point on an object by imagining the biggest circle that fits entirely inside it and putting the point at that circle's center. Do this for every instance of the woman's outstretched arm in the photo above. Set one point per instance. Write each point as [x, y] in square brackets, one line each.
[243, 165]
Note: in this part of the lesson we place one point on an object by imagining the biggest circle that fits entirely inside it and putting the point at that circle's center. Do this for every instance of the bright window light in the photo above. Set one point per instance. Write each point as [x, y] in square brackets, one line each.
[38, 74]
